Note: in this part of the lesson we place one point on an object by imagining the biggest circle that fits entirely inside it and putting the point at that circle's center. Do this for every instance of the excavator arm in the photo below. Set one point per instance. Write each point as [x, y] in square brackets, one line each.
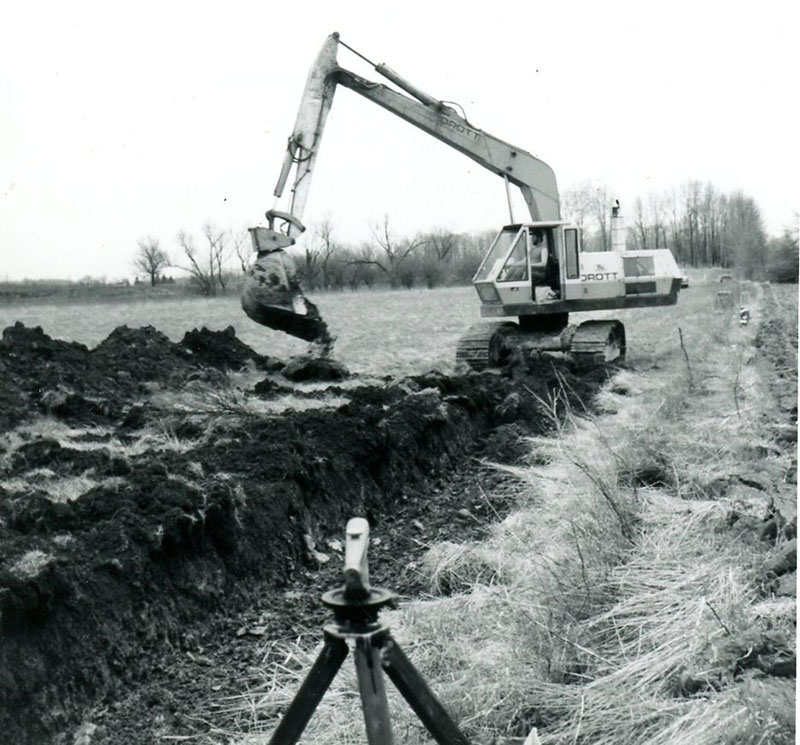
[534, 178]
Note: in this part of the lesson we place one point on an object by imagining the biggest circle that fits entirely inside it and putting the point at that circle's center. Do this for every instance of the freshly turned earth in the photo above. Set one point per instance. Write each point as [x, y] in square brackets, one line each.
[129, 612]
[120, 607]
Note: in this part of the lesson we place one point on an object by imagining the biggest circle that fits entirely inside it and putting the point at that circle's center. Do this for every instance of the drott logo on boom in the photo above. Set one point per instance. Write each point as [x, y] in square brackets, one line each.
[460, 128]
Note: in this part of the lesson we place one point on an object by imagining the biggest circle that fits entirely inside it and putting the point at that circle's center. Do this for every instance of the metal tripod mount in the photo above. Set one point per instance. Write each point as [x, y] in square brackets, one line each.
[355, 608]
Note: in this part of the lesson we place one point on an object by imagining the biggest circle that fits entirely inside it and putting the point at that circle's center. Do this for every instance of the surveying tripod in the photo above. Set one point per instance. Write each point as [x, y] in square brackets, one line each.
[355, 609]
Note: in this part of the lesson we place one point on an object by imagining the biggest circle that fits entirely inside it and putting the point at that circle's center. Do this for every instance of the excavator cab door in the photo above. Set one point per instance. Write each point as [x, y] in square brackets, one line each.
[507, 266]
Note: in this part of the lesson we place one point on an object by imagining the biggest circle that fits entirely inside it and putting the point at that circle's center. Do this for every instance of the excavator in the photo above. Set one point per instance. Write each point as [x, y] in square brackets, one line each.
[533, 271]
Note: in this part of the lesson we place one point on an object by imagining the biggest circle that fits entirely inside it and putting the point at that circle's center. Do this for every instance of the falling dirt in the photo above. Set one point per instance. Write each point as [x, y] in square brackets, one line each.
[185, 519]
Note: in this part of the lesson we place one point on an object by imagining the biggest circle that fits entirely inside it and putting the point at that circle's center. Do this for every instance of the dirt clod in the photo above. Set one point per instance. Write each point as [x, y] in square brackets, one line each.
[308, 368]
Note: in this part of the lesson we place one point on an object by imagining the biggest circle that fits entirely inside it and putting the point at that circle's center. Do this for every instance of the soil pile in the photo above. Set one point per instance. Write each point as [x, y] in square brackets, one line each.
[222, 350]
[96, 587]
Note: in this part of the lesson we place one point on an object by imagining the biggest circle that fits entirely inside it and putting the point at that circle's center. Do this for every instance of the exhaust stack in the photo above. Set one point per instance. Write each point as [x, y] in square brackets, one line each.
[618, 232]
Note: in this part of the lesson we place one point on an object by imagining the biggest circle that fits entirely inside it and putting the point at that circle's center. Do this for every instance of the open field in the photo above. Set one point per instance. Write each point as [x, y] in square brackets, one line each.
[379, 333]
[620, 571]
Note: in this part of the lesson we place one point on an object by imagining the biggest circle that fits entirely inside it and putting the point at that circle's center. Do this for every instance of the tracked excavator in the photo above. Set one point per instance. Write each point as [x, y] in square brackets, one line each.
[535, 272]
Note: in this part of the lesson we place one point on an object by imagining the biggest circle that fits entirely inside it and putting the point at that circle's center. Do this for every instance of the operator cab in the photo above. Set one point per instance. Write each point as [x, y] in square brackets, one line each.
[522, 265]
[539, 269]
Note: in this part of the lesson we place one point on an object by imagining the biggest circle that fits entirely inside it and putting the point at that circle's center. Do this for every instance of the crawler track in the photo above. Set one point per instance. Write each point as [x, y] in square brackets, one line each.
[490, 343]
[481, 346]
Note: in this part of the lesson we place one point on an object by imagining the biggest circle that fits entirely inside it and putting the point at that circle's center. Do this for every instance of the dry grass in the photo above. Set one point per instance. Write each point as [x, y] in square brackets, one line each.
[615, 605]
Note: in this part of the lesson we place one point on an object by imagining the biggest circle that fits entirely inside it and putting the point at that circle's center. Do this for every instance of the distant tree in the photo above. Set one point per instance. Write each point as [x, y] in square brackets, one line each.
[657, 203]
[318, 252]
[745, 233]
[783, 254]
[438, 249]
[640, 225]
[242, 247]
[576, 205]
[206, 268]
[588, 205]
[393, 253]
[469, 254]
[150, 258]
[675, 223]
[199, 270]
[326, 250]
[218, 251]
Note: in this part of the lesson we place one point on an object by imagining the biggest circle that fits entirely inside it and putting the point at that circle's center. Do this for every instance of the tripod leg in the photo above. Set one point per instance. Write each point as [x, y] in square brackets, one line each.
[421, 699]
[373, 692]
[312, 690]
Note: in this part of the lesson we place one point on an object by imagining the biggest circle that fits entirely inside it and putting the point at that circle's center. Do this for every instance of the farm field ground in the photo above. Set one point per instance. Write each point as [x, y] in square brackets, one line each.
[173, 505]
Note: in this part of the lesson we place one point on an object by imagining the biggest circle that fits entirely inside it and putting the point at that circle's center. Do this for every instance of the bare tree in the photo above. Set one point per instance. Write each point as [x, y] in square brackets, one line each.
[746, 235]
[218, 252]
[439, 247]
[639, 224]
[677, 246]
[576, 203]
[204, 267]
[310, 261]
[395, 252]
[326, 250]
[150, 258]
[657, 204]
[242, 247]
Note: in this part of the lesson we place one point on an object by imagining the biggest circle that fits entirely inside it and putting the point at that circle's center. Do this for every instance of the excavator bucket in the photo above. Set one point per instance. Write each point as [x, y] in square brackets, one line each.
[272, 297]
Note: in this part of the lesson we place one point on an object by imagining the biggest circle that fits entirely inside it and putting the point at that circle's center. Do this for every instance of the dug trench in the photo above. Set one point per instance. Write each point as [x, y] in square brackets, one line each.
[195, 531]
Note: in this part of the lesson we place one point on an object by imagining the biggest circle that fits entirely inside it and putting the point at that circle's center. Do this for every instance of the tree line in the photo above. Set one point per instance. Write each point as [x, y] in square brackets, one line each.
[700, 224]
[218, 259]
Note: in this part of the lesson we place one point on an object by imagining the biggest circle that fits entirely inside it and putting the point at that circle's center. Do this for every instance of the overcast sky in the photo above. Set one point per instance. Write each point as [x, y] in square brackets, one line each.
[120, 120]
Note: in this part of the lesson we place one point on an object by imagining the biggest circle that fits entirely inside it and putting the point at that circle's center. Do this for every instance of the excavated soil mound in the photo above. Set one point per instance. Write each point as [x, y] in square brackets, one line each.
[221, 349]
[95, 586]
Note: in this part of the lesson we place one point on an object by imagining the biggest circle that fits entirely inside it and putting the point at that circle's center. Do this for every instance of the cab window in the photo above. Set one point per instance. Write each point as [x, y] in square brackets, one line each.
[496, 254]
[571, 253]
[639, 266]
[516, 267]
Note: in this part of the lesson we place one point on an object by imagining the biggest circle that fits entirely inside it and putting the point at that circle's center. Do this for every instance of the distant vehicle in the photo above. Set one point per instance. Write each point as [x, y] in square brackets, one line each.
[684, 281]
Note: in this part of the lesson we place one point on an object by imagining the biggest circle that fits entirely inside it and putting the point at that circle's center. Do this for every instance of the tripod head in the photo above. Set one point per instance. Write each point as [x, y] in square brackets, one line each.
[357, 602]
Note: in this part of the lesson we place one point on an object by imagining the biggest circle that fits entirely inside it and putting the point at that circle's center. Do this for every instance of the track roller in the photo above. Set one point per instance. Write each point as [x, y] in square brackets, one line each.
[598, 342]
